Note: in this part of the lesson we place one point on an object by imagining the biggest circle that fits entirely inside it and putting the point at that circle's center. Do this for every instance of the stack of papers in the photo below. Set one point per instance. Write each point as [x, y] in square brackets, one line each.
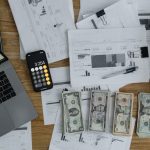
[109, 51]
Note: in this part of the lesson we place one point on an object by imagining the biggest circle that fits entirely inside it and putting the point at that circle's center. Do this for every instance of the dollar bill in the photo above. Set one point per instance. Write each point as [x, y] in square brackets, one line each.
[72, 114]
[143, 123]
[123, 113]
[98, 110]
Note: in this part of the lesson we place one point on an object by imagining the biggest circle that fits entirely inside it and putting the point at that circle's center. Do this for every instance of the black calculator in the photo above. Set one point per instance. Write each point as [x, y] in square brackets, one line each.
[39, 71]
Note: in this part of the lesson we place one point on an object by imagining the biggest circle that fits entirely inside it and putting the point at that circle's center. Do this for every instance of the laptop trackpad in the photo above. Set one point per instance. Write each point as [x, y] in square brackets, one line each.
[20, 110]
[6, 124]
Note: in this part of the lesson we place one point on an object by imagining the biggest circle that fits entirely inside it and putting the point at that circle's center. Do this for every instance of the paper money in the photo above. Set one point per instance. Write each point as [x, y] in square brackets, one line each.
[98, 110]
[72, 114]
[123, 113]
[143, 123]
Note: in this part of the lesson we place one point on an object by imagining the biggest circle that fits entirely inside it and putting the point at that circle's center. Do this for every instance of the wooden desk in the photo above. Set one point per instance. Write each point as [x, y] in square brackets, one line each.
[42, 134]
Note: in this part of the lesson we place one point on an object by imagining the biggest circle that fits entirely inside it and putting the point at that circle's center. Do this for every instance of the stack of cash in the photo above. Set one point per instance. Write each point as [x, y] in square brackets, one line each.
[98, 110]
[123, 113]
[72, 114]
[143, 123]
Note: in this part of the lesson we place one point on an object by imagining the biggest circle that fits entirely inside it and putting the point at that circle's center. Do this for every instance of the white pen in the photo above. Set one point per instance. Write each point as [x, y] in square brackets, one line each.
[124, 71]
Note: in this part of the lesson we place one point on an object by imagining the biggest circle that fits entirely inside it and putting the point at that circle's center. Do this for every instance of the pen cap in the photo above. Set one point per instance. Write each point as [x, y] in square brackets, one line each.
[132, 69]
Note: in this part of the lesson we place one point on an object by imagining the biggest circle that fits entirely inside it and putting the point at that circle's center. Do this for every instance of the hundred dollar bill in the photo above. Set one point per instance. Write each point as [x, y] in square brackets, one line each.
[72, 114]
[98, 110]
[123, 113]
[143, 123]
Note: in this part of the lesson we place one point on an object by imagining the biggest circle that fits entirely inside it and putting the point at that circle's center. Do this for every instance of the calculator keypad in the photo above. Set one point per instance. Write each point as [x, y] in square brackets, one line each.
[40, 76]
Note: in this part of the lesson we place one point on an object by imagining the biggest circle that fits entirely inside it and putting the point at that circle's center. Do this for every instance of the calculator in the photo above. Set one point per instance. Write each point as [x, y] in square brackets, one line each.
[39, 71]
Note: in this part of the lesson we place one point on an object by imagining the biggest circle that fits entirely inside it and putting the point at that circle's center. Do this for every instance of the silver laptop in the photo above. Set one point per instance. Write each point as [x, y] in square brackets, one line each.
[15, 106]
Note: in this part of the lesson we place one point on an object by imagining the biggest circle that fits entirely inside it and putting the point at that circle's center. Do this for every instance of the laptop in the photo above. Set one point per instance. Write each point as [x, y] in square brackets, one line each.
[16, 108]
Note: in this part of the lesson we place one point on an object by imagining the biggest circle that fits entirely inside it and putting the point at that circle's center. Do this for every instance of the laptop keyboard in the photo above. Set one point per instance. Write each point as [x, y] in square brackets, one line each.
[6, 90]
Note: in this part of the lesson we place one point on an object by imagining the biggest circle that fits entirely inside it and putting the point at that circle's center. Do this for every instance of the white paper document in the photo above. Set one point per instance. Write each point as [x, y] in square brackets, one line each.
[143, 7]
[119, 14]
[108, 56]
[51, 98]
[93, 6]
[19, 139]
[44, 26]
[87, 140]
[69, 3]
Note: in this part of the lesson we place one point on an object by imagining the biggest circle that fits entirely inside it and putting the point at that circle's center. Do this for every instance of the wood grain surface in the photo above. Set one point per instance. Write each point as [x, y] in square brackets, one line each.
[41, 134]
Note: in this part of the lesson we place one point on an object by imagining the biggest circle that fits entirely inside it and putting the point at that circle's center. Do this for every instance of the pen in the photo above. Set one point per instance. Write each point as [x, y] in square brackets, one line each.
[124, 71]
[94, 24]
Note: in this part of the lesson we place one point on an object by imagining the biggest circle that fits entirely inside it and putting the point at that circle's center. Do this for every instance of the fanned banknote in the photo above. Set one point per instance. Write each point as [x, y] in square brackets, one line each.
[143, 123]
[98, 110]
[123, 113]
[72, 114]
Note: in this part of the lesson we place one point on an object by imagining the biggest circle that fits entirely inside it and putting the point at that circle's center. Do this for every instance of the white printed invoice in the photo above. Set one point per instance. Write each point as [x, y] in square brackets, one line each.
[44, 26]
[87, 140]
[51, 98]
[119, 14]
[105, 56]
[19, 139]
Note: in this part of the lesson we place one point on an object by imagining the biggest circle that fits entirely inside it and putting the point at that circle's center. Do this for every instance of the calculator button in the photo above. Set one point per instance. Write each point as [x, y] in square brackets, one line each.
[35, 81]
[38, 77]
[33, 73]
[45, 71]
[46, 75]
[38, 85]
[44, 84]
[37, 73]
[32, 69]
[36, 68]
[47, 79]
[41, 72]
[43, 80]
[34, 77]
[40, 68]
[44, 66]
[39, 81]
[42, 75]
[48, 83]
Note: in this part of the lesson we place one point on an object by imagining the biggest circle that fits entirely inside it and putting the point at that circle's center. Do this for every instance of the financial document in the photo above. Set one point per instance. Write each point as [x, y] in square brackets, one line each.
[44, 27]
[69, 3]
[51, 98]
[108, 56]
[119, 14]
[87, 140]
[19, 139]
